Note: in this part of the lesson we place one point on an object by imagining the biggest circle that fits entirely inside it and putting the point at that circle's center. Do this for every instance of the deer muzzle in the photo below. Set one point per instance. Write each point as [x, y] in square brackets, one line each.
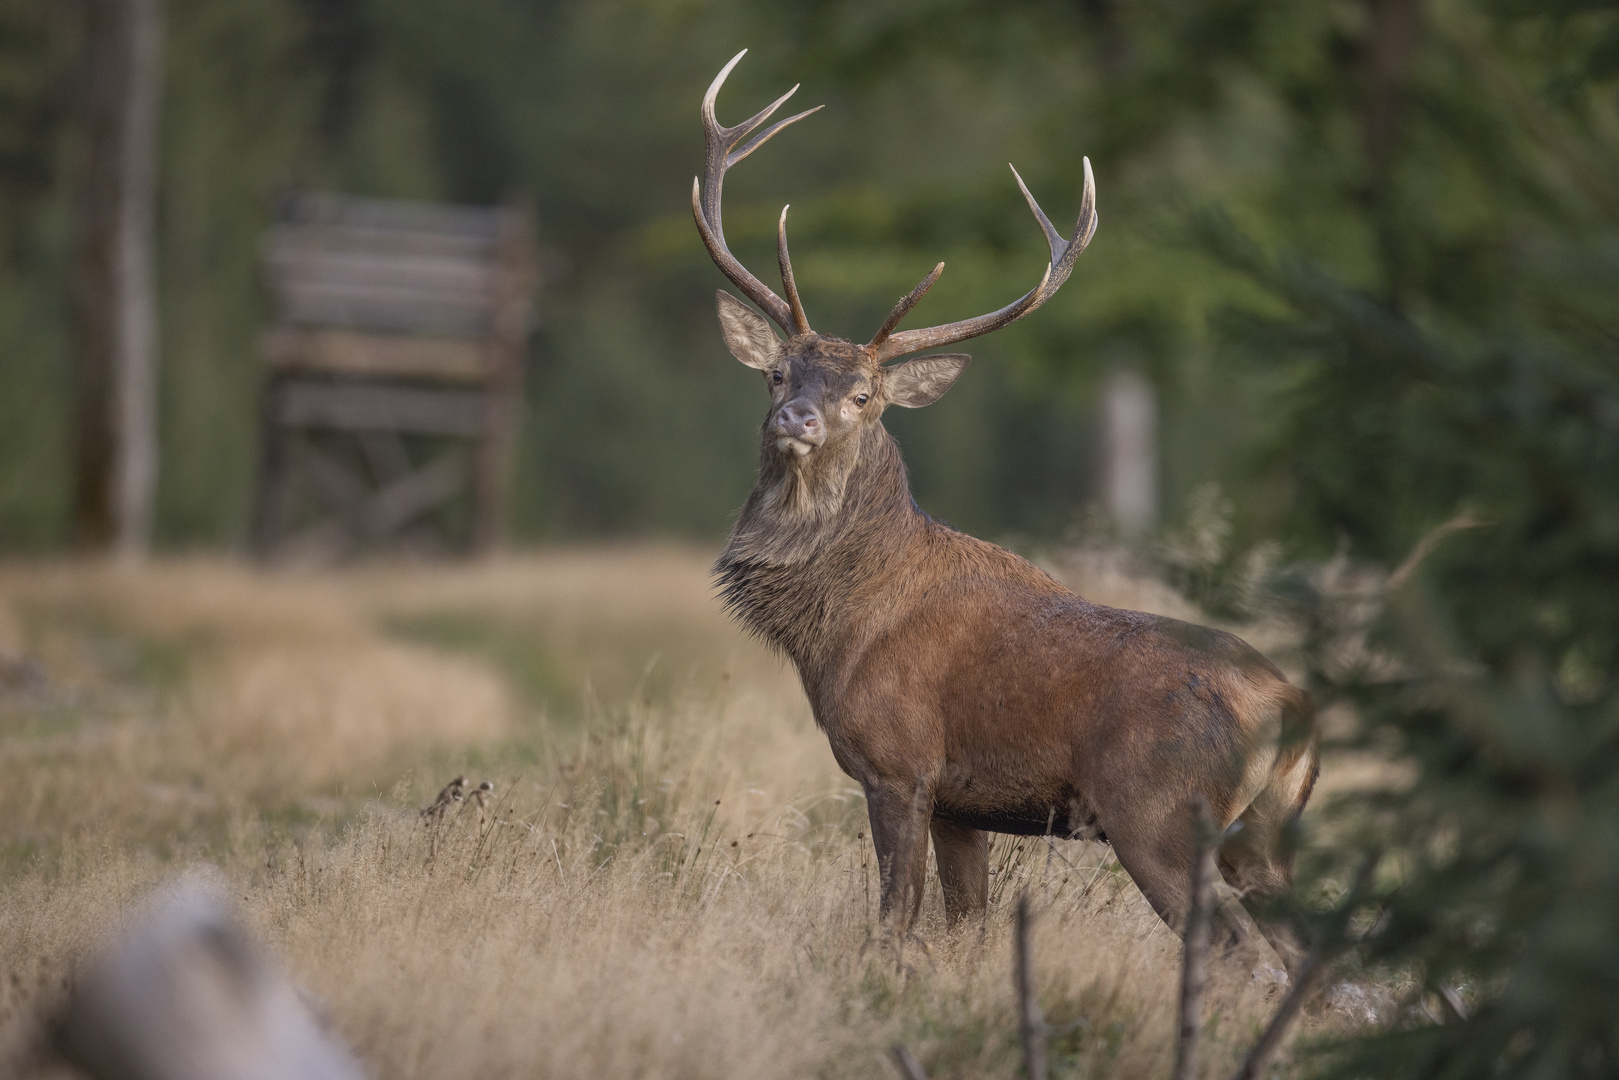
[798, 428]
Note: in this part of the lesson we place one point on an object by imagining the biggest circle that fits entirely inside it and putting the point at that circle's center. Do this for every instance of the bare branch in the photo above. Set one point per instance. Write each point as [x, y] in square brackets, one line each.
[1425, 546]
[1194, 966]
[1303, 979]
[1030, 1023]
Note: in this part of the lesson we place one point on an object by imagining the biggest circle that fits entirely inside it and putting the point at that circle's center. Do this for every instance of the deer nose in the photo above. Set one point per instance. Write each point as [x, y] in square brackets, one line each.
[799, 420]
[797, 428]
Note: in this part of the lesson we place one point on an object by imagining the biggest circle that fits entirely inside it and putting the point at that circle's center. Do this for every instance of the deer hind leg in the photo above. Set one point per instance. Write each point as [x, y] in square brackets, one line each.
[963, 856]
[1158, 857]
[1251, 875]
[1157, 854]
[899, 830]
[1258, 861]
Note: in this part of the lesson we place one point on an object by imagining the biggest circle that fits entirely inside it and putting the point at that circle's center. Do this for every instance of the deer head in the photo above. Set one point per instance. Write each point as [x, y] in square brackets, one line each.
[825, 390]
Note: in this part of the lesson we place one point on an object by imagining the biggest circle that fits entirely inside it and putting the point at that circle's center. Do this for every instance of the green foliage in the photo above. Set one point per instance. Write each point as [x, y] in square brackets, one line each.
[1469, 374]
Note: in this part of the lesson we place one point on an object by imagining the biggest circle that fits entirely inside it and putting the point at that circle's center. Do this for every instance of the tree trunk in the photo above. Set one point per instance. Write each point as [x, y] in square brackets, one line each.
[1393, 33]
[1130, 452]
[115, 444]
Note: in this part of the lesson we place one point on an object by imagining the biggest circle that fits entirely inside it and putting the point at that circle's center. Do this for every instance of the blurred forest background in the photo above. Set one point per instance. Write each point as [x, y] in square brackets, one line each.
[1367, 253]
[1446, 159]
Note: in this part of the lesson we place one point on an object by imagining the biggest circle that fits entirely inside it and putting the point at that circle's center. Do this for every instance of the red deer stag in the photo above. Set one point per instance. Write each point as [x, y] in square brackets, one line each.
[965, 690]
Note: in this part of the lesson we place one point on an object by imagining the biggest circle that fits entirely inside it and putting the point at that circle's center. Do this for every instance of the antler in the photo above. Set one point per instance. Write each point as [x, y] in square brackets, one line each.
[887, 344]
[705, 203]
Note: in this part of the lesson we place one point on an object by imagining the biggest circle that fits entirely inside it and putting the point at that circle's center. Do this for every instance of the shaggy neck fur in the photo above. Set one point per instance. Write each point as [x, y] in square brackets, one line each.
[814, 531]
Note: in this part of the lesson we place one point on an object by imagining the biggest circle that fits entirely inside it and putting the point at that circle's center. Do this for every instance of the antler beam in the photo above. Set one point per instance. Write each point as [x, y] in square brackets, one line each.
[723, 152]
[886, 344]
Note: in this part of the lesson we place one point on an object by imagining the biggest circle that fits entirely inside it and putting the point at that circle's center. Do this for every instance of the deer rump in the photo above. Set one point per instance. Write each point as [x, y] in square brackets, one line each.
[963, 688]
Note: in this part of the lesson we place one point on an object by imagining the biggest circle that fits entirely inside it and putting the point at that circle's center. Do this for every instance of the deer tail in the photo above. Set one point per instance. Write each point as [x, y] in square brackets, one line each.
[1299, 741]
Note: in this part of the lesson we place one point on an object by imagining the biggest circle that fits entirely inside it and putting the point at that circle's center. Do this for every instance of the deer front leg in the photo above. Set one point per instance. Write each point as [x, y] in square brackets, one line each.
[963, 856]
[899, 829]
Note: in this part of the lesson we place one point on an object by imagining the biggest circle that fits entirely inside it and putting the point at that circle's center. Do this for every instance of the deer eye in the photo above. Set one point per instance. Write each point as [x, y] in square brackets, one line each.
[775, 377]
[861, 399]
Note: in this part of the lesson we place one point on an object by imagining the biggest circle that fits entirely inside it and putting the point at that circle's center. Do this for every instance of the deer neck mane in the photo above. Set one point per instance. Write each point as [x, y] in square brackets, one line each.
[811, 533]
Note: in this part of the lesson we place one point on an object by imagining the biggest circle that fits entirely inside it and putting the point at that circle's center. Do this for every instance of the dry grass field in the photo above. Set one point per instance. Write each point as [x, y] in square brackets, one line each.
[672, 879]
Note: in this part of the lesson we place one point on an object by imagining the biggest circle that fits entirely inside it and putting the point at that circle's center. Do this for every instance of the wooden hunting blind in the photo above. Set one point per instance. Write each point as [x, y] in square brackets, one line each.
[395, 375]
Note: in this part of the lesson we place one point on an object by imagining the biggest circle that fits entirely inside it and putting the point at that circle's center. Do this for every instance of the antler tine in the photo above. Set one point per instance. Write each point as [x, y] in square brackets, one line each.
[1064, 252]
[706, 191]
[1053, 238]
[800, 320]
[903, 308]
[765, 135]
[734, 135]
[711, 95]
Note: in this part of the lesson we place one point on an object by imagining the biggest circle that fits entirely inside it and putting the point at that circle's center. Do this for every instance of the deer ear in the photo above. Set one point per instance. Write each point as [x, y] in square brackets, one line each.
[923, 380]
[747, 334]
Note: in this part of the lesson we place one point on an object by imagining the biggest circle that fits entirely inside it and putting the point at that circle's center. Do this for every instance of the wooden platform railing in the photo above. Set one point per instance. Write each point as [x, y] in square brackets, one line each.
[395, 374]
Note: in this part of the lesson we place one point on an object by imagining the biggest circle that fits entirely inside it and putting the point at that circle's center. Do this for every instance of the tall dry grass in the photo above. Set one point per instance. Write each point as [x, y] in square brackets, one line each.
[672, 879]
